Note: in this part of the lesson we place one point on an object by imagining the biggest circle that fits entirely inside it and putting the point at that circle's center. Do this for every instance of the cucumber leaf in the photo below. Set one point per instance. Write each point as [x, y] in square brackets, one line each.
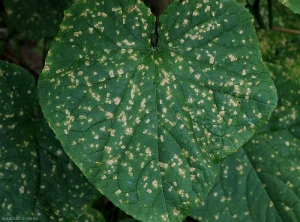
[37, 180]
[261, 182]
[146, 124]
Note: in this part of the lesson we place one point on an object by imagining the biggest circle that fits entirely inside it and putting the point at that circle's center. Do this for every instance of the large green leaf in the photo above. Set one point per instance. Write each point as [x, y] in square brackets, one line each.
[262, 181]
[259, 183]
[292, 4]
[37, 179]
[146, 125]
[36, 19]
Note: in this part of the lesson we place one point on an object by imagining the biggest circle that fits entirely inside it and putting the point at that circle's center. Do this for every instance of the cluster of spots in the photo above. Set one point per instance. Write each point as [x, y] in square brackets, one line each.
[223, 84]
[229, 190]
[28, 147]
[16, 102]
[12, 95]
[264, 173]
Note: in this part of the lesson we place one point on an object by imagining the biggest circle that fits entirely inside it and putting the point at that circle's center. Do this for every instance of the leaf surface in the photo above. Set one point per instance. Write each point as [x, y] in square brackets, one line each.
[36, 19]
[292, 4]
[147, 125]
[92, 215]
[261, 182]
[37, 178]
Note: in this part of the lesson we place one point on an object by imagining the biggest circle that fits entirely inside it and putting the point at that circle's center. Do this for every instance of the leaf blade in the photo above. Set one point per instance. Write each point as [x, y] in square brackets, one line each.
[292, 4]
[122, 111]
[260, 182]
[34, 169]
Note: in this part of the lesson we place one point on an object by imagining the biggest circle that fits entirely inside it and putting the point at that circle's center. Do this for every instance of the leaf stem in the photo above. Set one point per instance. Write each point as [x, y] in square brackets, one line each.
[291, 31]
[154, 37]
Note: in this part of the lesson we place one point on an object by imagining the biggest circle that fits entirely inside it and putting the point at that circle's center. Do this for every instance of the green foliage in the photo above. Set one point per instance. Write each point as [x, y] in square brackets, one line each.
[292, 4]
[280, 16]
[37, 178]
[261, 182]
[146, 124]
[146, 107]
[91, 215]
[36, 19]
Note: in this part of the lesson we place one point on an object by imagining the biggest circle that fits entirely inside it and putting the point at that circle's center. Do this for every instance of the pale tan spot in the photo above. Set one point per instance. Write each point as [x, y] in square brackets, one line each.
[155, 183]
[232, 58]
[109, 115]
[21, 190]
[117, 100]
[175, 211]
[77, 33]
